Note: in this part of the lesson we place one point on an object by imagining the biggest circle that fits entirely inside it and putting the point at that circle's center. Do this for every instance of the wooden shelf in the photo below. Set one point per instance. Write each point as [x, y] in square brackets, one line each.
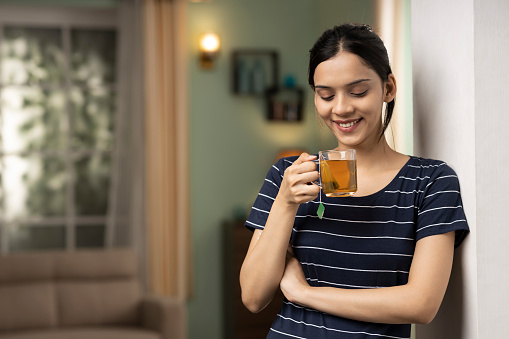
[239, 322]
[285, 104]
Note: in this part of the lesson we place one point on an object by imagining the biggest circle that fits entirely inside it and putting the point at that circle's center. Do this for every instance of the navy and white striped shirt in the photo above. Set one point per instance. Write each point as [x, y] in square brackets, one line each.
[363, 242]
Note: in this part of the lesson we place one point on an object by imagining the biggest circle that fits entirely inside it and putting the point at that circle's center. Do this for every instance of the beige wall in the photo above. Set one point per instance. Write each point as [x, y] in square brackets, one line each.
[460, 116]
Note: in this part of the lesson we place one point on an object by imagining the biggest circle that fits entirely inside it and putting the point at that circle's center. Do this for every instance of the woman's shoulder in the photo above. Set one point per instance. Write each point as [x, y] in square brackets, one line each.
[279, 167]
[283, 163]
[427, 164]
[429, 168]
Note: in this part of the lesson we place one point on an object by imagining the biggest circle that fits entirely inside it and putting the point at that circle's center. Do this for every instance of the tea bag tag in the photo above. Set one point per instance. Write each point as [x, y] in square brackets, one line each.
[320, 210]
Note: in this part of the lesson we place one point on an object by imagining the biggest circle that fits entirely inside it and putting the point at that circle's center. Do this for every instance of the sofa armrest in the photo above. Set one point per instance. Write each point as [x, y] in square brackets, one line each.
[165, 315]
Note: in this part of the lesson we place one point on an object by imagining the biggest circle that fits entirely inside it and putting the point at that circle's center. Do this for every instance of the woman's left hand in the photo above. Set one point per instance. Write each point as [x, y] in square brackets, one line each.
[293, 282]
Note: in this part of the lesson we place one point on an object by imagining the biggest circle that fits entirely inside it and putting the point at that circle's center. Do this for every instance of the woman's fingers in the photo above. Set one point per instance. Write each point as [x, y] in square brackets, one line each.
[303, 158]
[297, 178]
[303, 164]
[303, 170]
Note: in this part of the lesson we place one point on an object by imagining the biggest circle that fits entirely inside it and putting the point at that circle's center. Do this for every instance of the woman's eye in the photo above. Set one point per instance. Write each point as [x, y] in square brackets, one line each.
[359, 94]
[329, 98]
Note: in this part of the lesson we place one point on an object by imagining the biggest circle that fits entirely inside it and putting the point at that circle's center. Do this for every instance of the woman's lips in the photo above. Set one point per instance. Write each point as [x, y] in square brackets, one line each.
[347, 125]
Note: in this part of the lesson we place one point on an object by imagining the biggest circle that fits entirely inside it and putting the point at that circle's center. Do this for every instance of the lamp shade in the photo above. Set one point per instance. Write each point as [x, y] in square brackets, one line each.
[210, 43]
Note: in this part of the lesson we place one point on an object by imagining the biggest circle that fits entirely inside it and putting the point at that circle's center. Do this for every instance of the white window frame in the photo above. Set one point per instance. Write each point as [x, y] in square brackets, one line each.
[65, 19]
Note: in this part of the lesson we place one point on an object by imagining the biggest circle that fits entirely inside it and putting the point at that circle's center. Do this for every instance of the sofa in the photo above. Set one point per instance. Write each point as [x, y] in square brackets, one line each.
[82, 294]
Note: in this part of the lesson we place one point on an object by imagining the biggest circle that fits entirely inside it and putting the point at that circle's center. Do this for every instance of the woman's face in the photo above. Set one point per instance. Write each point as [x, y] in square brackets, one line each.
[349, 98]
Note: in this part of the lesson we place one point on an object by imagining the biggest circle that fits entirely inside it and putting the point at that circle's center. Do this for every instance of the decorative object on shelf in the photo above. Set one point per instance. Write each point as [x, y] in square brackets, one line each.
[243, 84]
[259, 83]
[254, 71]
[285, 103]
[209, 48]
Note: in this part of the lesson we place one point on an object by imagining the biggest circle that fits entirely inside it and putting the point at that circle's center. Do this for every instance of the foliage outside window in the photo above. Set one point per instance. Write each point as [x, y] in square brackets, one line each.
[57, 114]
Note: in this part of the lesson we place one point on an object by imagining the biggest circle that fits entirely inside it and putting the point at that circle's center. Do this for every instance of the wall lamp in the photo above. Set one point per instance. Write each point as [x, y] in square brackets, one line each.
[209, 48]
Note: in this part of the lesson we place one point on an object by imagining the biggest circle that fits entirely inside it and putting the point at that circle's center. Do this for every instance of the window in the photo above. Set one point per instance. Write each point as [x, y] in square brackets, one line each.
[58, 78]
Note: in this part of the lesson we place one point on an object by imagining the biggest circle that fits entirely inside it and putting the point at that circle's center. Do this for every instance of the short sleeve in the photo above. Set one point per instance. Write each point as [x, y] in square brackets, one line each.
[441, 208]
[270, 188]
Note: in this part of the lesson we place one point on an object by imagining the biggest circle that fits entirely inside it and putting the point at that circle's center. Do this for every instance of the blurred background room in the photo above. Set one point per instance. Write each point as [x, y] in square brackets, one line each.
[131, 154]
[118, 131]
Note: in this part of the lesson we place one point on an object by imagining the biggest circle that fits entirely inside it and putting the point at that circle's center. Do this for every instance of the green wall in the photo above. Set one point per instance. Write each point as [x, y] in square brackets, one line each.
[232, 144]
[333, 12]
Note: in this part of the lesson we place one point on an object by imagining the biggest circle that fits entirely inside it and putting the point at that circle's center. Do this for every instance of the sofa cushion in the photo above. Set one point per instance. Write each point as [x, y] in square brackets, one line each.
[84, 333]
[94, 264]
[102, 302]
[22, 267]
[27, 305]
[82, 264]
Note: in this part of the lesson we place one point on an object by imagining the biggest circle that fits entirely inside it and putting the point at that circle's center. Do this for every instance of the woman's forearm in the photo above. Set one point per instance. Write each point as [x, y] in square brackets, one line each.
[264, 264]
[390, 305]
[417, 301]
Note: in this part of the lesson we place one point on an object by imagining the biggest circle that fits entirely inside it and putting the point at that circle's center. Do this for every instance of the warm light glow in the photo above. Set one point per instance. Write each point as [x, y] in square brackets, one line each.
[209, 43]
[289, 152]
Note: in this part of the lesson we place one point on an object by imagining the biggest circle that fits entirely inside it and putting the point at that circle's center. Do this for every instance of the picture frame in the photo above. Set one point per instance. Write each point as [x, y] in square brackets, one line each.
[254, 71]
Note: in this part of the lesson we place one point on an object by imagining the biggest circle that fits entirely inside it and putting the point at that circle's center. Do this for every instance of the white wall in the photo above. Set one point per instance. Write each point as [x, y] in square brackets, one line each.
[491, 38]
[460, 115]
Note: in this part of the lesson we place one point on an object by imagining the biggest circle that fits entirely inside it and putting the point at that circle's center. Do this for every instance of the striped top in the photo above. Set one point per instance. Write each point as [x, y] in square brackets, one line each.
[363, 242]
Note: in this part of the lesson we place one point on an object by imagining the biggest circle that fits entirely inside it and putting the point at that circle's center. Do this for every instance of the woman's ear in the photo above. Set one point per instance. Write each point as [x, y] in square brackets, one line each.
[390, 88]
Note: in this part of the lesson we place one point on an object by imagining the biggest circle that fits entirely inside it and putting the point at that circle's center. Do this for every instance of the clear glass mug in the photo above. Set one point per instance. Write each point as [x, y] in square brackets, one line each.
[338, 172]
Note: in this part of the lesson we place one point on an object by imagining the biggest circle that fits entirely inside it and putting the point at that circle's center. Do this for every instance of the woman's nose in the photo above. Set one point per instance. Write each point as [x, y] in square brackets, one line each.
[342, 105]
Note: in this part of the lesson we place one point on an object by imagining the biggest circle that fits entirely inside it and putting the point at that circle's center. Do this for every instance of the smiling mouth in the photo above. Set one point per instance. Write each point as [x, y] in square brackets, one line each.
[348, 124]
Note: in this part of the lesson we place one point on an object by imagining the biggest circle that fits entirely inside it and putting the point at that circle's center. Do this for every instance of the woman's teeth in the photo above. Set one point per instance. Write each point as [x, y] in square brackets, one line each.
[350, 124]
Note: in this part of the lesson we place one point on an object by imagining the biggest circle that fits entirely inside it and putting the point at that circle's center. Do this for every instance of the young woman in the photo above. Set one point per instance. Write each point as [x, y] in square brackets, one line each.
[378, 261]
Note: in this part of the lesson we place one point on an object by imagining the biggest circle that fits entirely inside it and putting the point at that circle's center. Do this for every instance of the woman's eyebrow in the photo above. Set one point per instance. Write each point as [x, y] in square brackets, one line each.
[355, 82]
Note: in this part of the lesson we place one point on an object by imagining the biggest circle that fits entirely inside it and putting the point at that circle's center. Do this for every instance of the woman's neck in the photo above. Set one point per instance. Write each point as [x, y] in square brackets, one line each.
[377, 156]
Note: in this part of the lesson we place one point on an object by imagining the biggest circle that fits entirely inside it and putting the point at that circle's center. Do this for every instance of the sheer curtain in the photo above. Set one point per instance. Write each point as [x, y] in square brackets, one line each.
[126, 222]
[392, 22]
[150, 195]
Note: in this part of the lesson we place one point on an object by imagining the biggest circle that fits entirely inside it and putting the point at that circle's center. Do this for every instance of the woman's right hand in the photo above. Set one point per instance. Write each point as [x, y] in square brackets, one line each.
[296, 187]
[265, 260]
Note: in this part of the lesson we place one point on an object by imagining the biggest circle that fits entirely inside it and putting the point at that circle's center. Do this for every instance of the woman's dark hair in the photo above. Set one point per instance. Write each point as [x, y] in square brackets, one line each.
[359, 40]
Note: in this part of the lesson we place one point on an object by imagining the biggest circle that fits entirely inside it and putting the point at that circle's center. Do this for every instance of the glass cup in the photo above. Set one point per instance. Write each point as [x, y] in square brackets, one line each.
[338, 172]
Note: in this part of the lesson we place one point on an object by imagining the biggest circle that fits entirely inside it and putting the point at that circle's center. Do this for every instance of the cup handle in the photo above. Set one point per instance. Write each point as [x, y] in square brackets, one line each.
[316, 183]
[317, 161]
